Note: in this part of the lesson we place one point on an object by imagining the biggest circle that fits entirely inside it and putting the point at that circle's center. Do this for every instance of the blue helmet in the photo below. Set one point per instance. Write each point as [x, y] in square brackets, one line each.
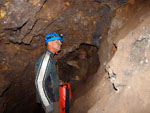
[51, 37]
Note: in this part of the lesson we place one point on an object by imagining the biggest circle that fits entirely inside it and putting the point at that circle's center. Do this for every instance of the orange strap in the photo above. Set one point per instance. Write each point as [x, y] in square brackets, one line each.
[52, 50]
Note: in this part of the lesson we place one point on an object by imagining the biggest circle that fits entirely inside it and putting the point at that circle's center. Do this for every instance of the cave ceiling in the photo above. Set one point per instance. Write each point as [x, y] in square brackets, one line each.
[81, 21]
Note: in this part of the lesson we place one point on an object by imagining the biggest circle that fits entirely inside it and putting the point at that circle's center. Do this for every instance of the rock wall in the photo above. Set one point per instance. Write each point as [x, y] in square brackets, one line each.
[25, 20]
[124, 87]
[24, 23]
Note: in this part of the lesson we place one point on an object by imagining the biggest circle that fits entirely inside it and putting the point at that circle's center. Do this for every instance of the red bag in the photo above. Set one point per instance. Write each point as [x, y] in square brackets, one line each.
[64, 97]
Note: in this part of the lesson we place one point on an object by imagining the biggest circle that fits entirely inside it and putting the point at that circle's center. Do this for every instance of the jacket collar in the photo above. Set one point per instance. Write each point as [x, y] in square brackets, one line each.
[50, 52]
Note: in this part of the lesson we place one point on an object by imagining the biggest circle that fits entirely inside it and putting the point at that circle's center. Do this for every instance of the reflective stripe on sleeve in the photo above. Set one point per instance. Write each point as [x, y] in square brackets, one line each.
[41, 78]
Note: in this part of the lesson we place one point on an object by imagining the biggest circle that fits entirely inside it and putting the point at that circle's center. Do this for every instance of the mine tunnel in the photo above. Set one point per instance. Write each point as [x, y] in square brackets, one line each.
[105, 53]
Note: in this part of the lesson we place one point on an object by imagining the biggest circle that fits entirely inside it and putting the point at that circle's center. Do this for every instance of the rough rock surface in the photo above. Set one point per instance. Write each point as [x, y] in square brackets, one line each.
[78, 20]
[24, 23]
[124, 88]
[129, 72]
[17, 75]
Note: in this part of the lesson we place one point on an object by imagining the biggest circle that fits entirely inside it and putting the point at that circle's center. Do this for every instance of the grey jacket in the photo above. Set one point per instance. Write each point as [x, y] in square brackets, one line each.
[47, 80]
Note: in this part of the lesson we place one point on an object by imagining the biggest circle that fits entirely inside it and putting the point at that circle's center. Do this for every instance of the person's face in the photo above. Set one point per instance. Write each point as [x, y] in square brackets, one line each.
[82, 56]
[56, 44]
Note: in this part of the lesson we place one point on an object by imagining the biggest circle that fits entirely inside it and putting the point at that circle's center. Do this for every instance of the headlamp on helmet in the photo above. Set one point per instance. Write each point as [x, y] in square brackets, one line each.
[52, 37]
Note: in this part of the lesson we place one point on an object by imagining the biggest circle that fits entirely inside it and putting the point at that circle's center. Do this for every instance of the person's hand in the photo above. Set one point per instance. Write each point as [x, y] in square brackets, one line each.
[60, 82]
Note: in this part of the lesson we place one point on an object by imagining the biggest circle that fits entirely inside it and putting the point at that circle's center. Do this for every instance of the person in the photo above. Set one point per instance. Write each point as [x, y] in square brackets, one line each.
[47, 80]
[81, 65]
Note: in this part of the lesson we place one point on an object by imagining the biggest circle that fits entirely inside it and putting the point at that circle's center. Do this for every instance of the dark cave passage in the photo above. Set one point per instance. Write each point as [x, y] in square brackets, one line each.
[77, 64]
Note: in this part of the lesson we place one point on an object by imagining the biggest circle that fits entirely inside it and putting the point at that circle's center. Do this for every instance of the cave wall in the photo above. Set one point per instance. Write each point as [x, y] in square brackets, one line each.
[124, 86]
[23, 25]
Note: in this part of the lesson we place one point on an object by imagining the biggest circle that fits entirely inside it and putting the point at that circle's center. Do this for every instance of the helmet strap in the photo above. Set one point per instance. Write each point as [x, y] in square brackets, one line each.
[51, 49]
